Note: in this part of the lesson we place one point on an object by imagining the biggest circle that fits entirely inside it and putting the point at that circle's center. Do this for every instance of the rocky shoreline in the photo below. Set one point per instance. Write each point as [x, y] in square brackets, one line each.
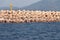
[18, 16]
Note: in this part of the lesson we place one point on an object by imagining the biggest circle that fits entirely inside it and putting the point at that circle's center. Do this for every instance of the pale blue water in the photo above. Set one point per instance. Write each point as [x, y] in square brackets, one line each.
[30, 31]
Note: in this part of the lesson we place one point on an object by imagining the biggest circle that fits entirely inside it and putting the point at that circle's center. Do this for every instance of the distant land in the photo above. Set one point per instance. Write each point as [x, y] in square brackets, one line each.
[47, 5]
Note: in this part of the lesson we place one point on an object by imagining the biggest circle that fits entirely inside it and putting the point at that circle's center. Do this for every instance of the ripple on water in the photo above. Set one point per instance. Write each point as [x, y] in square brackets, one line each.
[30, 31]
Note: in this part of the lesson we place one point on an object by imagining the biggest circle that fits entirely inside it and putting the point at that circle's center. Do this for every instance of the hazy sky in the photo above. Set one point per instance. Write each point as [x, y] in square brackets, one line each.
[17, 3]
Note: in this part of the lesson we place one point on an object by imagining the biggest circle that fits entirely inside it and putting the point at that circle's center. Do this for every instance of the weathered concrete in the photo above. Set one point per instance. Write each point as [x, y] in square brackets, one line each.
[29, 16]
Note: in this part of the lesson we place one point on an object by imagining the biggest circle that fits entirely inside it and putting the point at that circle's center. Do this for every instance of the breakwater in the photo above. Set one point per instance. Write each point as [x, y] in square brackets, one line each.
[29, 16]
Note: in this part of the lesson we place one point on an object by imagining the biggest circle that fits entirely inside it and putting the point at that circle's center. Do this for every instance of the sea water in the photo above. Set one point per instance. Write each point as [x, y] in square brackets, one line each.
[30, 31]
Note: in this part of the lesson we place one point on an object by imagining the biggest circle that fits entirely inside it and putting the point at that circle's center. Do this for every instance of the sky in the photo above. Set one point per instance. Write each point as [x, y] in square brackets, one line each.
[17, 3]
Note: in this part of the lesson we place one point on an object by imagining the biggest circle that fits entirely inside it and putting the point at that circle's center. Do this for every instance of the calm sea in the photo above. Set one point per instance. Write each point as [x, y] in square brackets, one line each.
[30, 31]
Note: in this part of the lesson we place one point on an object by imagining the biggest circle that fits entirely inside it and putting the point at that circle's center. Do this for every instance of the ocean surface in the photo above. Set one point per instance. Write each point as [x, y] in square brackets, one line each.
[30, 31]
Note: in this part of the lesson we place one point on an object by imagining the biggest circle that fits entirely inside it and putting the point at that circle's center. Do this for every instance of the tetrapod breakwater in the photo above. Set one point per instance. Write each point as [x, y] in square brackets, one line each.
[18, 16]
